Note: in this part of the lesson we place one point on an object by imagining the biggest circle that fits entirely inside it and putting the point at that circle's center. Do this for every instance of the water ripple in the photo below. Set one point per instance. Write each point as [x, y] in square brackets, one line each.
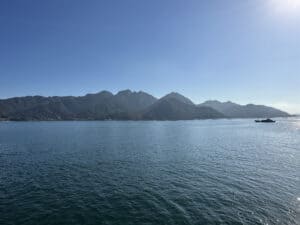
[199, 172]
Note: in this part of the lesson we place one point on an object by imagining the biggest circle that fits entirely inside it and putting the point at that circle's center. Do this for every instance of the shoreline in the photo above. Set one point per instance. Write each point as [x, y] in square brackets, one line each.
[115, 120]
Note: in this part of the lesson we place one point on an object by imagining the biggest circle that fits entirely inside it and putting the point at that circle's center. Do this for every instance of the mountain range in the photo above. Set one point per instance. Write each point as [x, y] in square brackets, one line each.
[126, 105]
[233, 110]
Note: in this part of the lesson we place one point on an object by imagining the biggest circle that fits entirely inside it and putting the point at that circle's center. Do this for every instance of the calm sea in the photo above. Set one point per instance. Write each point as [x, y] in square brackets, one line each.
[185, 172]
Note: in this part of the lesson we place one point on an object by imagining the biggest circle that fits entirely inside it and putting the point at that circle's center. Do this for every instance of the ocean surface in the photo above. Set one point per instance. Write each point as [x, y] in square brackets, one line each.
[184, 172]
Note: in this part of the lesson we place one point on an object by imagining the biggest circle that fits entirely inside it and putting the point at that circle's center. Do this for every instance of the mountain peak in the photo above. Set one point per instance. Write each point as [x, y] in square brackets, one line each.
[104, 92]
[101, 93]
[125, 92]
[177, 96]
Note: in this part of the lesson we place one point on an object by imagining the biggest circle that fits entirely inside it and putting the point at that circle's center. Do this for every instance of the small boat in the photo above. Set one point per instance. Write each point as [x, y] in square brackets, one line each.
[265, 121]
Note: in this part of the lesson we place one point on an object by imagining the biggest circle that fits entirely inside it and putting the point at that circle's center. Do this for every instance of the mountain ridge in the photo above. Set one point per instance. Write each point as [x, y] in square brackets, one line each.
[234, 110]
[126, 105]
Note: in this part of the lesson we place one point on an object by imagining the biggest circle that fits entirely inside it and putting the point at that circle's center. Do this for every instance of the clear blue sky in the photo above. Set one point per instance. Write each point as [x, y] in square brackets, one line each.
[243, 51]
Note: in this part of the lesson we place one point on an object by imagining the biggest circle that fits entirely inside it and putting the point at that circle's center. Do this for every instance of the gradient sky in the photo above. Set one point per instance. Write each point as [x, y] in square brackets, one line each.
[243, 51]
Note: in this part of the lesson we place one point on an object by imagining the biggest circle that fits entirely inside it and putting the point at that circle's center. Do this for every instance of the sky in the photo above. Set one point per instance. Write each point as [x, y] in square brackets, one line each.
[244, 51]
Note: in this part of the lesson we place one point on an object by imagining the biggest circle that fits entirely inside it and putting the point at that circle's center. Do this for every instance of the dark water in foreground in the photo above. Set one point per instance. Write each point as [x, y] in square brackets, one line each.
[188, 172]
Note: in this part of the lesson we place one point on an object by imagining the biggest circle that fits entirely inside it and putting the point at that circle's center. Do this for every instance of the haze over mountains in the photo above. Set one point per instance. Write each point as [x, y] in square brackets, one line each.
[126, 105]
[233, 110]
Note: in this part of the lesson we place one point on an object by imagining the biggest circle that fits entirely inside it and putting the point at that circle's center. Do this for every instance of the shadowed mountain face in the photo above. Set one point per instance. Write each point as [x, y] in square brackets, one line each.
[179, 97]
[134, 101]
[177, 107]
[125, 105]
[233, 110]
[101, 106]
